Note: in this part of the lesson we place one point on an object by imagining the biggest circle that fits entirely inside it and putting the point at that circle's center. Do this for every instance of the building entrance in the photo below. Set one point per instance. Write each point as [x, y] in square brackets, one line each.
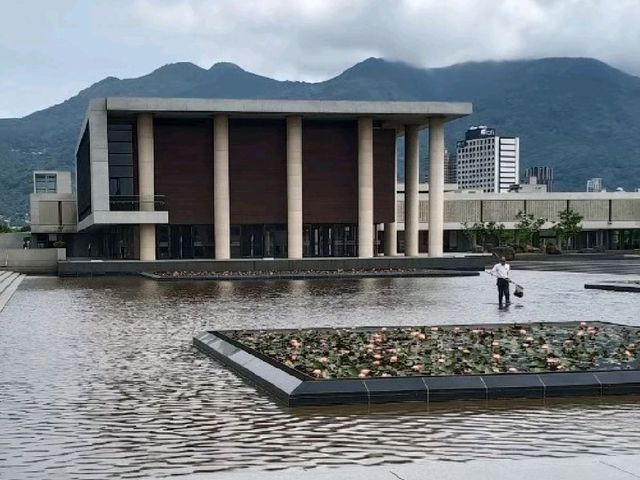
[330, 240]
[259, 241]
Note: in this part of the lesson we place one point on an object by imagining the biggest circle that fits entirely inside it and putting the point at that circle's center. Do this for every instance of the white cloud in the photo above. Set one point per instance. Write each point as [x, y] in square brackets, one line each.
[73, 43]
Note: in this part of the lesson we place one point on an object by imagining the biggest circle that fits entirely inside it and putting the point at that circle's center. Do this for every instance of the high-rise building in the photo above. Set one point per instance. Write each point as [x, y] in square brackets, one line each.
[486, 161]
[450, 167]
[595, 185]
[539, 175]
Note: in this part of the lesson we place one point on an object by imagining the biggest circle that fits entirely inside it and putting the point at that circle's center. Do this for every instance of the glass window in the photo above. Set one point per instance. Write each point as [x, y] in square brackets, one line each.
[46, 183]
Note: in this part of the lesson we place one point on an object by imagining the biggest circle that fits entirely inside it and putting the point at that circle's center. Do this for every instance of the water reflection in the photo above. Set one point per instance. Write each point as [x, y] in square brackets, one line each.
[98, 379]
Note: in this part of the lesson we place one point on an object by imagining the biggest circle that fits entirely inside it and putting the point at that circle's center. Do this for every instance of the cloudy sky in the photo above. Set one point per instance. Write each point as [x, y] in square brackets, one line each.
[50, 49]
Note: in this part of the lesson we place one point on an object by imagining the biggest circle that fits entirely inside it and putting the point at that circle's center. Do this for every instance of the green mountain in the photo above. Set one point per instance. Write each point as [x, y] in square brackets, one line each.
[579, 115]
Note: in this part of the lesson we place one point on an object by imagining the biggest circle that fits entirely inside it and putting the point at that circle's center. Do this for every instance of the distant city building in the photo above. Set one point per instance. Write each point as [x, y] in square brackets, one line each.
[595, 185]
[539, 176]
[486, 161]
[450, 167]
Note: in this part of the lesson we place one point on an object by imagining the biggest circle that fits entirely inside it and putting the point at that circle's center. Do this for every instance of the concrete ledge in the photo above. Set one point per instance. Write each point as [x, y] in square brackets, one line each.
[34, 260]
[472, 263]
[294, 388]
[337, 274]
[615, 286]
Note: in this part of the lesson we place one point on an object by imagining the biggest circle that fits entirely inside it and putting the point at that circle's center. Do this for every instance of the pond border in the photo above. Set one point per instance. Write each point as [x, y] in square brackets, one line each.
[293, 388]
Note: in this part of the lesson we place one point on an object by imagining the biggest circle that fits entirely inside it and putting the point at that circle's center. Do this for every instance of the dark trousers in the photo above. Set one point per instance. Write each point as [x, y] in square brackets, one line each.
[503, 290]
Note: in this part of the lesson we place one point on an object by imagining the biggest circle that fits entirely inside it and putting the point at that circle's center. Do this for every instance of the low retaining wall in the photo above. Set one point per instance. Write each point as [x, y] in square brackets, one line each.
[134, 267]
[33, 260]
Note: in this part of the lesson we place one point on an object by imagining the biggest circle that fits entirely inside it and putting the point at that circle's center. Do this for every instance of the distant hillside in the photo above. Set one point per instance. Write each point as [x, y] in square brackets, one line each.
[577, 114]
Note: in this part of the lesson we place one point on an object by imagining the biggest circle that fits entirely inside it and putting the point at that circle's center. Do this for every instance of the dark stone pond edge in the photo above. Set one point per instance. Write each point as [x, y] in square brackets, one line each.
[315, 275]
[295, 389]
[614, 287]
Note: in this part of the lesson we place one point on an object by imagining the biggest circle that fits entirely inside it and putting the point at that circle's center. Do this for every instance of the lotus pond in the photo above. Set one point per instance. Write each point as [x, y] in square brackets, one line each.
[451, 350]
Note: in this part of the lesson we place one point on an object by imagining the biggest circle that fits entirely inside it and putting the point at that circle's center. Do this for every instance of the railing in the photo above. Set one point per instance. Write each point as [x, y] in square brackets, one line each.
[136, 203]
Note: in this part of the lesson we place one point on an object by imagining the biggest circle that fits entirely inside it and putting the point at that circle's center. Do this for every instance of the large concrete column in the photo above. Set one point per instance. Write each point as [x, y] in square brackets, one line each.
[365, 187]
[294, 187]
[221, 225]
[146, 181]
[411, 197]
[391, 228]
[436, 186]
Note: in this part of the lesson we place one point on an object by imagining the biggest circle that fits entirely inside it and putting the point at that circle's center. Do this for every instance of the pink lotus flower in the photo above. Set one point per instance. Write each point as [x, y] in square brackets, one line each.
[495, 343]
[529, 339]
[323, 360]
[377, 356]
[295, 343]
[583, 324]
[441, 360]
[628, 353]
[545, 347]
[385, 375]
[294, 357]
[422, 336]
[497, 357]
[365, 372]
[376, 363]
[317, 373]
[393, 359]
[417, 367]
[415, 333]
[512, 370]
[456, 329]
[434, 329]
[523, 331]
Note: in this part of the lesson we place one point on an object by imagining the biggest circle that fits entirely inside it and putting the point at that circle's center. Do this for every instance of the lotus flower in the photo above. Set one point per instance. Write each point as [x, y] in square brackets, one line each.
[512, 370]
[295, 343]
[393, 359]
[497, 357]
[417, 367]
[422, 336]
[317, 373]
[364, 372]
[377, 356]
[415, 333]
[495, 343]
[434, 329]
[323, 360]
[376, 363]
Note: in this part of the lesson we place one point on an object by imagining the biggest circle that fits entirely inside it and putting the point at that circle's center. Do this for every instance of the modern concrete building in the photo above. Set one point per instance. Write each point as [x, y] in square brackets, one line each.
[539, 176]
[450, 167]
[161, 178]
[595, 185]
[53, 208]
[486, 161]
[610, 219]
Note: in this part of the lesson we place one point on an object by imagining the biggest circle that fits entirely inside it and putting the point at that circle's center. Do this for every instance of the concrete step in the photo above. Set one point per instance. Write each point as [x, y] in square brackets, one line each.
[8, 287]
[6, 280]
[4, 274]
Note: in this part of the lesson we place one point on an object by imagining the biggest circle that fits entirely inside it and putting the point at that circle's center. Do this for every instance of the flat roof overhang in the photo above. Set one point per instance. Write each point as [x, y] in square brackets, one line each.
[396, 113]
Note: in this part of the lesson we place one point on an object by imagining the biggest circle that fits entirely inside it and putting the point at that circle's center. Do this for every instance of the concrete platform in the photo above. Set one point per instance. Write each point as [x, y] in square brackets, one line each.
[86, 267]
[619, 467]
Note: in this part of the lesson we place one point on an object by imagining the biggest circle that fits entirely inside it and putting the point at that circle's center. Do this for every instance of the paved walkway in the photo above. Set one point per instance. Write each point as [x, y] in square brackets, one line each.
[623, 467]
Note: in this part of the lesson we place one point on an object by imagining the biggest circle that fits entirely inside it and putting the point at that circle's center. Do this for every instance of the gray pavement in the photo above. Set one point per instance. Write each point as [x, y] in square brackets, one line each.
[622, 467]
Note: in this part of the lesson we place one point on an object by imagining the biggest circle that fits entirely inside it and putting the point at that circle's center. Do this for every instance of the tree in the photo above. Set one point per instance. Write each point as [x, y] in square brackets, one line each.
[5, 228]
[568, 226]
[475, 233]
[495, 232]
[527, 227]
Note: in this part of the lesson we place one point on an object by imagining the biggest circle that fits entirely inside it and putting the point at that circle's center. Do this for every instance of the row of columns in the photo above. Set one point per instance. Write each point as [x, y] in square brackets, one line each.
[366, 230]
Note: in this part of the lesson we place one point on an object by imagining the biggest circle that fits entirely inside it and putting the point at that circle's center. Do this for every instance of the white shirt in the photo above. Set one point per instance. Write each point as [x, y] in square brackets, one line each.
[501, 271]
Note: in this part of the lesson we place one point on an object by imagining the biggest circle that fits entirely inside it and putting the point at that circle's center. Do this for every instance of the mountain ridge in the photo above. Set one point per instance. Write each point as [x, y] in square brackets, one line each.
[578, 115]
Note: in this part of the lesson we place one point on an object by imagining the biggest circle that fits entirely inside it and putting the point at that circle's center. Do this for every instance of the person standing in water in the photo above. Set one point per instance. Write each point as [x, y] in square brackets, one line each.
[501, 271]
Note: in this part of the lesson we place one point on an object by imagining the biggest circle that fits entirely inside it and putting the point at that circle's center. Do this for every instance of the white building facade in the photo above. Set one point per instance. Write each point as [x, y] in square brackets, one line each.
[487, 162]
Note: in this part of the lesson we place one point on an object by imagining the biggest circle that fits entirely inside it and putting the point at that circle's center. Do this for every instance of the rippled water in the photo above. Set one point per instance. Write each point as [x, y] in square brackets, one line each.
[98, 378]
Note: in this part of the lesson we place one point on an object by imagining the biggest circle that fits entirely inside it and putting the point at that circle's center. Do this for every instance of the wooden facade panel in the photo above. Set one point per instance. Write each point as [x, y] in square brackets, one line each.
[183, 155]
[330, 172]
[258, 171]
[384, 175]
